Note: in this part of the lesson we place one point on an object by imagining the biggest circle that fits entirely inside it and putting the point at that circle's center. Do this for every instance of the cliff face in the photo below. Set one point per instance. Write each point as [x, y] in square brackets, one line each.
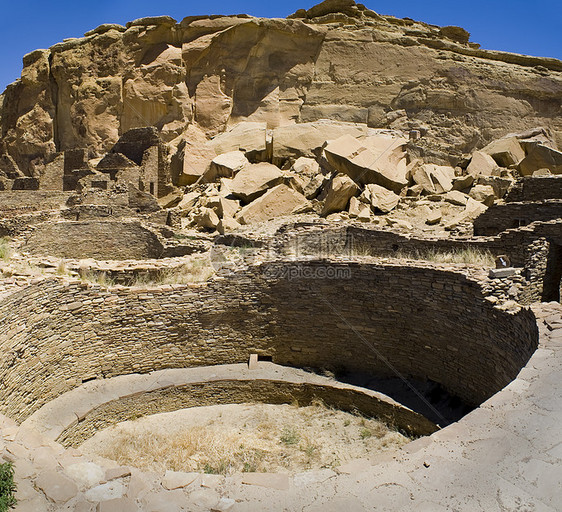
[192, 80]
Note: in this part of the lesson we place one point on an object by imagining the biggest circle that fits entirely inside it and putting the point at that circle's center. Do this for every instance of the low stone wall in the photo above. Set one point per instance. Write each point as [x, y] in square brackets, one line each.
[501, 217]
[31, 200]
[421, 322]
[103, 240]
[535, 188]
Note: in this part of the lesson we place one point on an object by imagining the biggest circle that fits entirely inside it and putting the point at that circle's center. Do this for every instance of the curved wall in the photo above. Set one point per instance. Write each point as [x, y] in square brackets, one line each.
[425, 322]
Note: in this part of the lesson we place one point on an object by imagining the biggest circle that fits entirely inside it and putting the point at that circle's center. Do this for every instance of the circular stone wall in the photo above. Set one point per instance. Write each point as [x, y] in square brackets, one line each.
[370, 318]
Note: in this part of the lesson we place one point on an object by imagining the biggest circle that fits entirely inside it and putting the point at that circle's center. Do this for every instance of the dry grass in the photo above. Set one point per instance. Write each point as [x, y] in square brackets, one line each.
[466, 255]
[245, 438]
[196, 270]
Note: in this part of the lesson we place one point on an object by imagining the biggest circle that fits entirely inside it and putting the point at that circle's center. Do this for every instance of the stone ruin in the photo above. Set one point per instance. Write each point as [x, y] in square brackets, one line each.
[368, 195]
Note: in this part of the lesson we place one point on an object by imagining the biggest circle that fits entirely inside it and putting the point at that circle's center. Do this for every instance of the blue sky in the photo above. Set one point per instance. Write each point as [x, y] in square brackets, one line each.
[520, 26]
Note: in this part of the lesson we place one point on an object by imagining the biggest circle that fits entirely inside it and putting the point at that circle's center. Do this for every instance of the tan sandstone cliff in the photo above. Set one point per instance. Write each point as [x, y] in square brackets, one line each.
[194, 79]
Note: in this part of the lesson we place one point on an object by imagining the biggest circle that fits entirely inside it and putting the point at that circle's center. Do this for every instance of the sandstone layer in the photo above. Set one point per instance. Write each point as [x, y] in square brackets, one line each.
[197, 78]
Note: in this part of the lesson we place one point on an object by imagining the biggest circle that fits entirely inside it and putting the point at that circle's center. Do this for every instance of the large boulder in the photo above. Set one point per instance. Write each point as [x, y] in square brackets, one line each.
[540, 157]
[340, 190]
[248, 137]
[377, 160]
[254, 180]
[226, 165]
[280, 200]
[306, 139]
[380, 198]
[505, 152]
[483, 194]
[481, 164]
[435, 179]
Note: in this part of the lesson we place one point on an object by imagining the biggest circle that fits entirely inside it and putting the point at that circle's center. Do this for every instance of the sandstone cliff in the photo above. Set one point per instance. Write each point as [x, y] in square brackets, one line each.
[194, 79]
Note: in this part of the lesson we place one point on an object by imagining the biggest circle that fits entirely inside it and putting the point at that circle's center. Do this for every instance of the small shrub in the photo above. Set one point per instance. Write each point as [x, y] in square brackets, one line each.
[7, 487]
[365, 433]
[5, 251]
[289, 436]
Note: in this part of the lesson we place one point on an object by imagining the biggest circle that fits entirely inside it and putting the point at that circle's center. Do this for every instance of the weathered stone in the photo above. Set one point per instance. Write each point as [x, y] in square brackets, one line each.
[463, 182]
[206, 219]
[226, 165]
[540, 157]
[306, 167]
[481, 164]
[435, 179]
[359, 210]
[506, 152]
[339, 191]
[483, 194]
[373, 161]
[178, 479]
[227, 225]
[56, 486]
[313, 188]
[433, 217]
[248, 137]
[455, 197]
[254, 180]
[117, 505]
[307, 139]
[85, 474]
[380, 198]
[472, 210]
[280, 200]
[499, 184]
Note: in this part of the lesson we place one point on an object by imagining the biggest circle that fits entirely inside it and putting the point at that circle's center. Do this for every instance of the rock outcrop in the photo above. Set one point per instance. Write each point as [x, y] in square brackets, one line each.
[339, 61]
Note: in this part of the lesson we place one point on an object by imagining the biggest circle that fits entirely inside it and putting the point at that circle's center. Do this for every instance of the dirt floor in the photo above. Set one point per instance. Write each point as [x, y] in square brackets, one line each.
[226, 439]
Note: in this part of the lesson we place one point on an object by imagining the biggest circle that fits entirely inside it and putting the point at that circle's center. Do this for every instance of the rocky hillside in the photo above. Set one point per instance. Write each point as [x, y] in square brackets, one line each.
[340, 61]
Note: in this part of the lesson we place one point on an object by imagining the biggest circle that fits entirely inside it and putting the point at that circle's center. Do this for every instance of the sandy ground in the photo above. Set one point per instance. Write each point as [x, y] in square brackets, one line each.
[226, 439]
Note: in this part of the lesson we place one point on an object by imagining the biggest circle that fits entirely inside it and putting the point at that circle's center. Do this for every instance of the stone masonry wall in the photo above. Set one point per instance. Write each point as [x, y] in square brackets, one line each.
[425, 322]
[500, 217]
[105, 240]
[535, 188]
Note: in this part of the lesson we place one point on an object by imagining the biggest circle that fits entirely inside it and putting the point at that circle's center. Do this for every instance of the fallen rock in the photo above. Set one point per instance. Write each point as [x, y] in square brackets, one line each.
[435, 179]
[206, 219]
[472, 210]
[306, 167]
[433, 217]
[499, 184]
[456, 197]
[540, 157]
[248, 137]
[380, 198]
[463, 182]
[359, 210]
[369, 161]
[227, 225]
[254, 180]
[280, 200]
[188, 201]
[172, 199]
[307, 139]
[314, 186]
[226, 165]
[505, 152]
[483, 194]
[481, 164]
[340, 190]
